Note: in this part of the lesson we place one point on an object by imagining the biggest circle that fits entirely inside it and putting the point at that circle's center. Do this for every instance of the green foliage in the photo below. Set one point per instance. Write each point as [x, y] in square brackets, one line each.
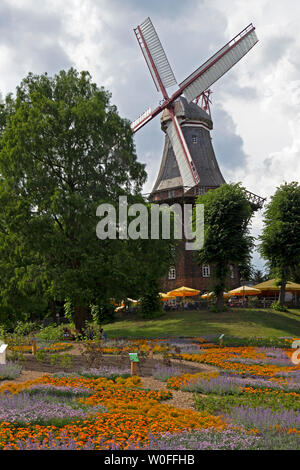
[10, 371]
[213, 308]
[92, 331]
[66, 361]
[278, 307]
[64, 150]
[41, 355]
[54, 358]
[253, 302]
[69, 310]
[235, 341]
[3, 332]
[226, 233]
[51, 333]
[281, 233]
[25, 328]
[16, 356]
[92, 351]
[214, 404]
[150, 304]
[257, 276]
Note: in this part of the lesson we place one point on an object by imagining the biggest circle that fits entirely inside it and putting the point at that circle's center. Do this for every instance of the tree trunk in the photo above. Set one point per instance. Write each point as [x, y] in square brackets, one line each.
[80, 317]
[282, 289]
[220, 301]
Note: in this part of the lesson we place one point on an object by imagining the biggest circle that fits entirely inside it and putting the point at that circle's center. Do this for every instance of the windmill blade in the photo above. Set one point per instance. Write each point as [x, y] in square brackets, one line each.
[219, 64]
[183, 157]
[141, 120]
[155, 56]
[146, 117]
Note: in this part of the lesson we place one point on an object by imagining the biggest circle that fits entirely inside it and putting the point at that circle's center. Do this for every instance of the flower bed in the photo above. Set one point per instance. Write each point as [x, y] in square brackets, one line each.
[55, 347]
[251, 402]
[128, 414]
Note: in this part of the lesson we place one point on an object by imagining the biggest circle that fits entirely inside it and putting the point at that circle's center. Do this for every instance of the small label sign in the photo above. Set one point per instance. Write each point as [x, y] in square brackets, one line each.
[133, 357]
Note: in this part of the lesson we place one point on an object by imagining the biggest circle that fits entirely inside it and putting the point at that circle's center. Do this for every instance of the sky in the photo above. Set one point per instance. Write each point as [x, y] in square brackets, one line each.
[255, 106]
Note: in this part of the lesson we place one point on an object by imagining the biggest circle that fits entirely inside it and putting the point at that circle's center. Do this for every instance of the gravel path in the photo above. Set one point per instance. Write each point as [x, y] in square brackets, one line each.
[24, 377]
[179, 400]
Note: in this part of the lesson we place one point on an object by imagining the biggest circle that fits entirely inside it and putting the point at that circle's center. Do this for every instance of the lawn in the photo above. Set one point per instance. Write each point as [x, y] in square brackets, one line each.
[237, 322]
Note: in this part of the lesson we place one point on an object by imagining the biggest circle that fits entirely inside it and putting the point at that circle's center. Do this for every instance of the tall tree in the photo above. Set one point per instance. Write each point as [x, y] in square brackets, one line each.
[64, 150]
[226, 233]
[281, 233]
[258, 276]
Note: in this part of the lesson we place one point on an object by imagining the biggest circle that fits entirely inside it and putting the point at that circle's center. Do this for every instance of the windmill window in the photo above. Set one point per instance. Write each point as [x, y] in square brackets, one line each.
[206, 271]
[172, 273]
[171, 194]
[194, 139]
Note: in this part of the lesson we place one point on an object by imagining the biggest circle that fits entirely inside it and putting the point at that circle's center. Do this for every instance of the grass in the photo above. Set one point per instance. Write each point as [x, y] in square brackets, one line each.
[236, 322]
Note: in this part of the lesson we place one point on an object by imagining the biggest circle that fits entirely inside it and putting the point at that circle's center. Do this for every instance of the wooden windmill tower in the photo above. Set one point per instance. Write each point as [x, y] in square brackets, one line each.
[188, 166]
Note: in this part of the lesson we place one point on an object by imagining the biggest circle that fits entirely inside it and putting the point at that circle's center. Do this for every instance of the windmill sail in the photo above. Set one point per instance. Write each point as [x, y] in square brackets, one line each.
[184, 160]
[141, 120]
[219, 64]
[154, 54]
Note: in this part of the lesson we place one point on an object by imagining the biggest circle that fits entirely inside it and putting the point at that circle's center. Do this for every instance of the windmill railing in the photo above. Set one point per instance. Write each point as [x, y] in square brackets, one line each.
[255, 200]
[171, 194]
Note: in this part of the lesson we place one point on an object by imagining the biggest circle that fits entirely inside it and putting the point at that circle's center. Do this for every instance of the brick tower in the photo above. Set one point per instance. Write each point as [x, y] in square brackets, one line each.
[196, 125]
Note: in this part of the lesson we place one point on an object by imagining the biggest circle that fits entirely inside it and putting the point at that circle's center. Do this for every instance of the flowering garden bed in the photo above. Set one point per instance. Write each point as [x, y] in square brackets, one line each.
[249, 401]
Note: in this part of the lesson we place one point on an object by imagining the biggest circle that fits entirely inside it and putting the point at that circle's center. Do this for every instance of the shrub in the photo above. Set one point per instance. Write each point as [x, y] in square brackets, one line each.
[16, 356]
[40, 355]
[253, 302]
[54, 358]
[92, 351]
[66, 361]
[52, 333]
[150, 305]
[110, 372]
[164, 372]
[10, 371]
[279, 308]
[255, 341]
[25, 328]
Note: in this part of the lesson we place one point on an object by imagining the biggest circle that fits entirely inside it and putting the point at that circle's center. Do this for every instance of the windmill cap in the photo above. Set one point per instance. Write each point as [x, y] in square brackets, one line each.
[187, 112]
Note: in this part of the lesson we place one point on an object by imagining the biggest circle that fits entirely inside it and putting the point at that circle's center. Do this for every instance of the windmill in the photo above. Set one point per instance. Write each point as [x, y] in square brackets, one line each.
[188, 166]
[196, 86]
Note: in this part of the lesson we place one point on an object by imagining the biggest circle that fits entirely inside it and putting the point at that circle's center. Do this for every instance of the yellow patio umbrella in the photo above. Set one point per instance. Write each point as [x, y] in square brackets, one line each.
[132, 301]
[207, 295]
[245, 290]
[183, 292]
[165, 297]
[120, 306]
[272, 287]
[226, 295]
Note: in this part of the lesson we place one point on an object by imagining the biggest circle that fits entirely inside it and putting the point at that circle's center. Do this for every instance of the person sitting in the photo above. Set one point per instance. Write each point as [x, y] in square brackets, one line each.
[68, 334]
[104, 335]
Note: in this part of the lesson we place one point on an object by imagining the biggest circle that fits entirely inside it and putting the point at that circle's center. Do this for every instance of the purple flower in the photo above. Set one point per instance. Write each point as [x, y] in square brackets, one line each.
[264, 418]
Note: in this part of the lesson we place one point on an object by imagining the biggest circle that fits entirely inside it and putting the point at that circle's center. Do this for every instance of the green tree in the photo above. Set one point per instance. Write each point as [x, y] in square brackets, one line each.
[226, 233]
[281, 233]
[258, 276]
[63, 151]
